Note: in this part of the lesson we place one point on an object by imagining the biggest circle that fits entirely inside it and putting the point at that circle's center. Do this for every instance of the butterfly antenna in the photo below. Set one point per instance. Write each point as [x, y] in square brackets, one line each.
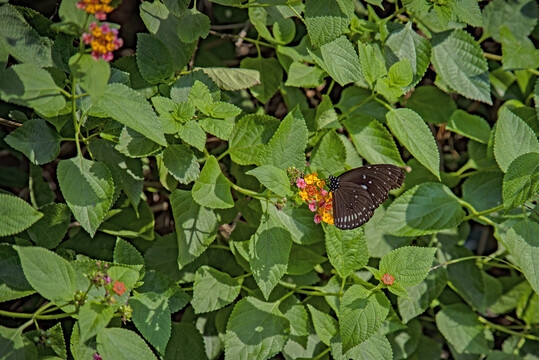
[325, 169]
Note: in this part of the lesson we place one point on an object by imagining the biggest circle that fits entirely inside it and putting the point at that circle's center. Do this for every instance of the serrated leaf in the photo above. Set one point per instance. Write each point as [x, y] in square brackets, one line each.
[185, 343]
[93, 317]
[13, 345]
[193, 25]
[273, 178]
[49, 274]
[301, 75]
[520, 16]
[287, 146]
[255, 330]
[49, 231]
[87, 187]
[181, 163]
[16, 214]
[460, 63]
[213, 289]
[425, 209]
[182, 87]
[271, 75]
[151, 316]
[521, 181]
[372, 140]
[325, 325]
[212, 188]
[222, 110]
[416, 136]
[196, 226]
[133, 144]
[376, 347]
[326, 116]
[409, 265]
[327, 19]
[192, 133]
[513, 138]
[432, 104]
[269, 249]
[153, 59]
[400, 73]
[200, 96]
[371, 67]
[339, 59]
[222, 128]
[361, 315]
[461, 328]
[233, 79]
[518, 53]
[122, 344]
[300, 224]
[249, 137]
[92, 75]
[329, 154]
[347, 249]
[471, 126]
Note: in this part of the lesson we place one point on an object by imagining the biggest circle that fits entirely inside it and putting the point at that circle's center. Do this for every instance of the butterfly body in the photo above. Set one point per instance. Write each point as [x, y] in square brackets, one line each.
[358, 192]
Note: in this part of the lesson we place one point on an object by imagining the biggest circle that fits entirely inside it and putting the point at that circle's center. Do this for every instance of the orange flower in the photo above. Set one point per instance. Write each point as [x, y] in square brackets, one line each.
[388, 279]
[103, 41]
[119, 288]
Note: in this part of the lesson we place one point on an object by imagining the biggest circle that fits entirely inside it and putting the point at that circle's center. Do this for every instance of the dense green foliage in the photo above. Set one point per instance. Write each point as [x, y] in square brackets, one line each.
[149, 207]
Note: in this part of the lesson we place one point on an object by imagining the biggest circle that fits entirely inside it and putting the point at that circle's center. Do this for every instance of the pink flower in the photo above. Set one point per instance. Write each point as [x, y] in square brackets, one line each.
[312, 206]
[300, 183]
[323, 192]
[96, 356]
[317, 218]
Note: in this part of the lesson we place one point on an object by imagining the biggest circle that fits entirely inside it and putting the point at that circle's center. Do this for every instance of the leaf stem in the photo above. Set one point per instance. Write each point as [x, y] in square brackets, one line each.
[384, 103]
[223, 35]
[493, 56]
[506, 330]
[74, 113]
[488, 259]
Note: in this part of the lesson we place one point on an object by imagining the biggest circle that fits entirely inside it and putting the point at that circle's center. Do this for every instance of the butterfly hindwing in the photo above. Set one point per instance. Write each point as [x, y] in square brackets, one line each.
[352, 206]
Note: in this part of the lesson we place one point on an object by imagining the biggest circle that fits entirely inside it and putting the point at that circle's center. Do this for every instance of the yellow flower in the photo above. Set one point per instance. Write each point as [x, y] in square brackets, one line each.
[303, 194]
[321, 183]
[311, 178]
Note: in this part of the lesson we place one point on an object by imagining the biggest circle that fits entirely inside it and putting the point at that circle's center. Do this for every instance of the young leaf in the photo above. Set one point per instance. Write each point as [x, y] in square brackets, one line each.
[122, 344]
[182, 87]
[212, 189]
[513, 138]
[93, 317]
[16, 214]
[87, 187]
[213, 289]
[153, 59]
[151, 316]
[49, 274]
[339, 59]
[201, 97]
[247, 140]
[409, 265]
[218, 127]
[327, 19]
[192, 133]
[460, 63]
[471, 126]
[361, 315]
[273, 178]
[521, 181]
[49, 231]
[181, 163]
[287, 146]
[371, 67]
[400, 73]
[425, 209]
[461, 328]
[271, 75]
[222, 110]
[347, 249]
[416, 136]
[255, 330]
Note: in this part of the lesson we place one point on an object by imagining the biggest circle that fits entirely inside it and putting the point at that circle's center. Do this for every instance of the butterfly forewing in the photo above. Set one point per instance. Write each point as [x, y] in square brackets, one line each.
[359, 191]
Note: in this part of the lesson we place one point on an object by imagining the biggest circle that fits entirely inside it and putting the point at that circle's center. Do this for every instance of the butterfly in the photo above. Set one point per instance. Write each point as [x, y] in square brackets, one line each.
[358, 192]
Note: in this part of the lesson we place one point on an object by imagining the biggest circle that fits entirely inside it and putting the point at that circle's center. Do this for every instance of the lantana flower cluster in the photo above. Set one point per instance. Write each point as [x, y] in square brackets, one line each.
[103, 41]
[319, 200]
[99, 8]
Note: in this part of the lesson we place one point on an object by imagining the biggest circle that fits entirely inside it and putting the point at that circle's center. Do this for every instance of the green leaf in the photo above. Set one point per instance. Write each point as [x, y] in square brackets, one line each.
[416, 136]
[460, 63]
[36, 140]
[39, 188]
[185, 343]
[339, 59]
[255, 330]
[153, 59]
[461, 328]
[249, 137]
[405, 43]
[483, 190]
[300, 224]
[212, 188]
[513, 138]
[302, 260]
[136, 145]
[200, 96]
[376, 347]
[192, 133]
[520, 16]
[222, 110]
[130, 222]
[16, 214]
[523, 244]
[421, 296]
[271, 75]
[347, 249]
[269, 249]
[29, 85]
[182, 87]
[49, 274]
[93, 75]
[193, 25]
[425, 209]
[49, 231]
[181, 163]
[472, 126]
[327, 19]
[409, 265]
[273, 178]
[304, 76]
[122, 344]
[13, 345]
[151, 316]
[518, 53]
[233, 79]
[390, 91]
[213, 290]
[93, 317]
[521, 181]
[325, 325]
[196, 226]
[400, 73]
[287, 146]
[87, 187]
[127, 254]
[329, 153]
[432, 104]
[372, 140]
[326, 116]
[130, 108]
[371, 67]
[361, 315]
[218, 127]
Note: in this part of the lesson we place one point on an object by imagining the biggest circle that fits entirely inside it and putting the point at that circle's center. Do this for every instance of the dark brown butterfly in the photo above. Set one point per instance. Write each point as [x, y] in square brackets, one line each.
[358, 192]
